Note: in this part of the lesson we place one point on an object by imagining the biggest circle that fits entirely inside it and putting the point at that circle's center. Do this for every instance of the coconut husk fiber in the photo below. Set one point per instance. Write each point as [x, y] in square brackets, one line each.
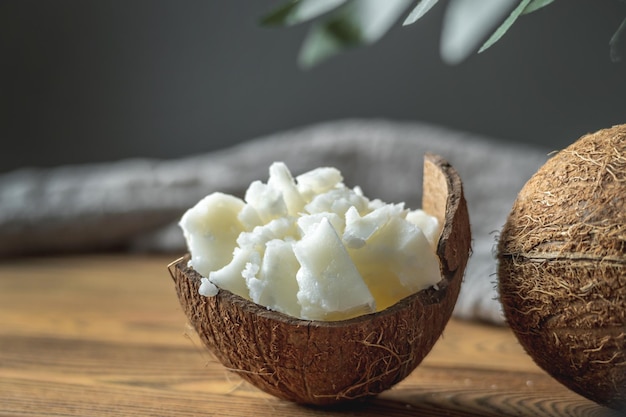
[135, 204]
[562, 267]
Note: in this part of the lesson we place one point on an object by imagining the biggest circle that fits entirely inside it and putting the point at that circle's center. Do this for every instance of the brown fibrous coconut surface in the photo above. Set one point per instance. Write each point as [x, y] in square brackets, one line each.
[562, 266]
[319, 362]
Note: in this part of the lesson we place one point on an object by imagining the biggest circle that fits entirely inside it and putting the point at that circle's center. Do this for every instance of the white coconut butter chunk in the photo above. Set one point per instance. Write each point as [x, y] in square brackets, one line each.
[211, 229]
[318, 181]
[207, 288]
[276, 286]
[265, 201]
[232, 276]
[282, 181]
[360, 228]
[311, 247]
[329, 283]
[429, 225]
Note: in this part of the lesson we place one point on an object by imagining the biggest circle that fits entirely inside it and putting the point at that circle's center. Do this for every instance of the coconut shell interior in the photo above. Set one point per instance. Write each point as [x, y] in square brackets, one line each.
[320, 362]
[562, 267]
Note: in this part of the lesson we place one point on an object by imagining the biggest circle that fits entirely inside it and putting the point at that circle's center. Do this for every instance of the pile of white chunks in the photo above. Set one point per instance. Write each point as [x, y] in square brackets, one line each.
[310, 247]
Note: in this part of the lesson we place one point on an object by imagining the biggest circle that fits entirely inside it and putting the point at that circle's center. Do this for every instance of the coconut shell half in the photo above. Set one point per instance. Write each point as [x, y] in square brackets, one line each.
[325, 362]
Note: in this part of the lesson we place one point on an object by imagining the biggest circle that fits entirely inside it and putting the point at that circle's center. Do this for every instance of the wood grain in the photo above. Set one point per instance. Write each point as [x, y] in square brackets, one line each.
[105, 336]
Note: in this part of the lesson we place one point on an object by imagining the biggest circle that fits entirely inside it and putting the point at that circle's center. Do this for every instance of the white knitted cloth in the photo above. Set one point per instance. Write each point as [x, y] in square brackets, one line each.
[135, 204]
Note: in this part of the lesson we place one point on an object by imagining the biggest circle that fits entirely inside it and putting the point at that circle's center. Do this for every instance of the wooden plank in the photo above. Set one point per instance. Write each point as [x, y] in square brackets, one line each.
[104, 336]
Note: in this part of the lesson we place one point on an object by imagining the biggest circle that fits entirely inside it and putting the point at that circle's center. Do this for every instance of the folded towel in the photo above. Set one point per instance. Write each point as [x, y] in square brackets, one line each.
[135, 204]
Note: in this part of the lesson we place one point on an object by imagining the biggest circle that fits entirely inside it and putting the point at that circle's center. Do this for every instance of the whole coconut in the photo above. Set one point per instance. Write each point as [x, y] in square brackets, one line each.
[562, 267]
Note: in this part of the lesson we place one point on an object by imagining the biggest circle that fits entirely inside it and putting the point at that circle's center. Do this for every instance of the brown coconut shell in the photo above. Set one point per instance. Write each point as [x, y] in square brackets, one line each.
[562, 267]
[324, 362]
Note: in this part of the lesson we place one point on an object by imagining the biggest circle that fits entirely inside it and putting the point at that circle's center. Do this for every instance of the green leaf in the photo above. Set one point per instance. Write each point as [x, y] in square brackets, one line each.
[536, 5]
[525, 7]
[504, 27]
[617, 43]
[326, 40]
[467, 23]
[299, 11]
[355, 23]
[279, 16]
[418, 11]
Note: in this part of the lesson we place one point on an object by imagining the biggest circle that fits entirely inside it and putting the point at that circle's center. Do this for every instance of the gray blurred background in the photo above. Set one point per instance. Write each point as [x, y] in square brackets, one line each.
[86, 81]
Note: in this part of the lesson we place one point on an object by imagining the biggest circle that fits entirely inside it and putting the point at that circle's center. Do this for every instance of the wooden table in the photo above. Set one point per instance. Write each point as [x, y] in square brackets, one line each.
[103, 335]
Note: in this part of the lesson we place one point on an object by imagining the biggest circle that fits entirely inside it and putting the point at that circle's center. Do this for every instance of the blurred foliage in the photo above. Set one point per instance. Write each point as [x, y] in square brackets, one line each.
[467, 27]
